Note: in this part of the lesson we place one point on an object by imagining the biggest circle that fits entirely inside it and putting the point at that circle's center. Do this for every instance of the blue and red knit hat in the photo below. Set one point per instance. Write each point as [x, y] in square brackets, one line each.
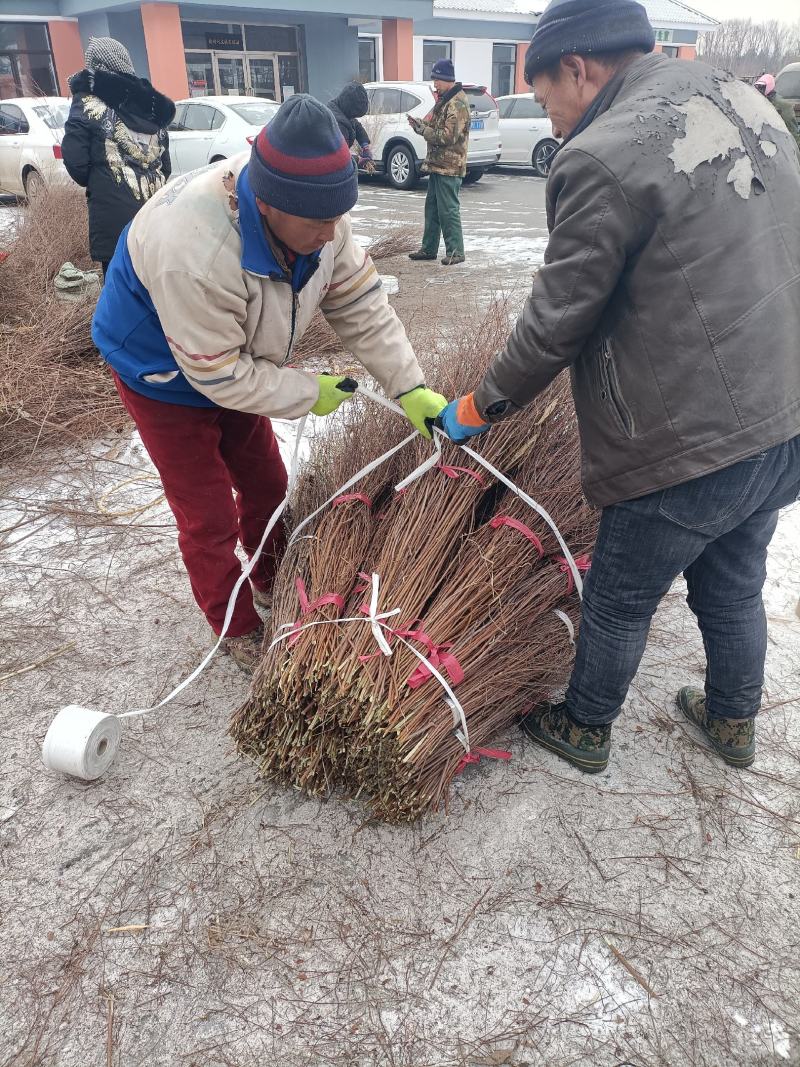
[301, 164]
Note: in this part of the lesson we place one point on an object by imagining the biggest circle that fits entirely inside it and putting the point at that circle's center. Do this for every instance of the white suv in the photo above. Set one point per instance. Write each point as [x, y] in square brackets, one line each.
[399, 152]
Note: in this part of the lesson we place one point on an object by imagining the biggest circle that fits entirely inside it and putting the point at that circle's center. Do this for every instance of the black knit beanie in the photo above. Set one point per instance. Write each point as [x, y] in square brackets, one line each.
[581, 27]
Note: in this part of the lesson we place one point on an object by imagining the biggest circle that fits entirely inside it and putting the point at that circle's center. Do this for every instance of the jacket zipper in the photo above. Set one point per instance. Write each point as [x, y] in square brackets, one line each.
[288, 355]
[611, 388]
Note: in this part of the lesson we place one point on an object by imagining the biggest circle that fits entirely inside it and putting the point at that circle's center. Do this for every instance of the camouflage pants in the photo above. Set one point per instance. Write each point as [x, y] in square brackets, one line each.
[715, 530]
[442, 216]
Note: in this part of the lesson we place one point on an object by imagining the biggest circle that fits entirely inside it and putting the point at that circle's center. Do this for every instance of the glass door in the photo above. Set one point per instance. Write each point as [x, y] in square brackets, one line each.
[230, 71]
[263, 77]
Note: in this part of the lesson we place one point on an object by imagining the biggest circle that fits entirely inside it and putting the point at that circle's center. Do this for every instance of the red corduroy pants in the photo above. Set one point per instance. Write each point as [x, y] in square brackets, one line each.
[204, 456]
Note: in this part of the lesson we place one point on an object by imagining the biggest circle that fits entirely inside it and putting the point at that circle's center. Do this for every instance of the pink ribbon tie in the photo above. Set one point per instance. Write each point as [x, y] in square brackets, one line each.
[475, 755]
[307, 606]
[520, 527]
[346, 497]
[583, 563]
[455, 472]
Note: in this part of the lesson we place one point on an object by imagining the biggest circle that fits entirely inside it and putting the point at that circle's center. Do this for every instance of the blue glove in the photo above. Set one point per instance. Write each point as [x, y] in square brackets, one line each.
[460, 420]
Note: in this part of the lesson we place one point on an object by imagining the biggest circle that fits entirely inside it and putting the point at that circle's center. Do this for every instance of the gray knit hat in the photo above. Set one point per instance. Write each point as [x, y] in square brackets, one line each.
[104, 53]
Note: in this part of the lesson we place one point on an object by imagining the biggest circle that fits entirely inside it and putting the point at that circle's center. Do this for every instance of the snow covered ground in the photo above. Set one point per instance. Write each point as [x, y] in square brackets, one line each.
[180, 911]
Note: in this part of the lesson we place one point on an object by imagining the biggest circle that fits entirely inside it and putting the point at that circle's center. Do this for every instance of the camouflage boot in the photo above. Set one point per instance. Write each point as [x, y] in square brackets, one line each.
[585, 747]
[245, 651]
[733, 739]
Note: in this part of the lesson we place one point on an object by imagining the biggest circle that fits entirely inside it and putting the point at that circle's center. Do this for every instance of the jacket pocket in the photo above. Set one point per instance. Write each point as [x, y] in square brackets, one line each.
[611, 393]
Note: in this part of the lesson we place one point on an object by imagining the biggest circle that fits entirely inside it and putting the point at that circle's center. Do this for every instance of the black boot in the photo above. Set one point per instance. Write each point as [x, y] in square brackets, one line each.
[552, 727]
[421, 255]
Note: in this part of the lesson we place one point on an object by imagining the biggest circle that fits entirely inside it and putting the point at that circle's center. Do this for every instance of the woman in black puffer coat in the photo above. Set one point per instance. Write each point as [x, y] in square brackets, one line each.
[350, 105]
[115, 141]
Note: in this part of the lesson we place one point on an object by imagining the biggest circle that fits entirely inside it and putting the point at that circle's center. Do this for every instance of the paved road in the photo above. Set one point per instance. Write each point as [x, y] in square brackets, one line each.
[503, 216]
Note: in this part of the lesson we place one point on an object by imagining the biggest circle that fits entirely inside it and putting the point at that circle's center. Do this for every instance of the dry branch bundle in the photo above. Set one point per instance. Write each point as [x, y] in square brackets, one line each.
[325, 711]
[54, 387]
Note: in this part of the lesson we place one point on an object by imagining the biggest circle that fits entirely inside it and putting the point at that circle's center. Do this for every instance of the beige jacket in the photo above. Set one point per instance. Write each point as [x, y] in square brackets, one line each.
[228, 310]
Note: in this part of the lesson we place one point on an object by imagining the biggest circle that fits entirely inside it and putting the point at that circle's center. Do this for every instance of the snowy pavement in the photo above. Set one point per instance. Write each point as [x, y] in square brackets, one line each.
[181, 911]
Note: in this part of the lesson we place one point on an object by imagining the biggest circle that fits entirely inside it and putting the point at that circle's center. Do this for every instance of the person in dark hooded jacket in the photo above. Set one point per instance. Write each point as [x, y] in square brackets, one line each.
[115, 141]
[350, 105]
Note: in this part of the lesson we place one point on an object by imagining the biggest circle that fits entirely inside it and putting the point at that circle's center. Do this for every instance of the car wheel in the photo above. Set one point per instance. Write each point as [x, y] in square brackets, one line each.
[401, 168]
[218, 159]
[474, 175]
[33, 183]
[543, 156]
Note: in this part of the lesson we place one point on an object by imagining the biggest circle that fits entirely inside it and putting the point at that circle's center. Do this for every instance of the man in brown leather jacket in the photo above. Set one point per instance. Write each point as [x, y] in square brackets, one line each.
[671, 292]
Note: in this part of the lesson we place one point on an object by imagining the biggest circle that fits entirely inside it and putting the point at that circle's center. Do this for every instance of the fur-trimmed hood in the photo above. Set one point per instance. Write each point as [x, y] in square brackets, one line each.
[138, 104]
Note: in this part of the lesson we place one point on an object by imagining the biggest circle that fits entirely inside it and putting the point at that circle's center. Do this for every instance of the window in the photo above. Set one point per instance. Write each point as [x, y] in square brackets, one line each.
[480, 103]
[201, 117]
[431, 51]
[386, 102]
[256, 114]
[670, 50]
[408, 101]
[12, 120]
[54, 116]
[200, 73]
[504, 69]
[367, 64]
[26, 61]
[177, 123]
[528, 108]
[506, 106]
[270, 38]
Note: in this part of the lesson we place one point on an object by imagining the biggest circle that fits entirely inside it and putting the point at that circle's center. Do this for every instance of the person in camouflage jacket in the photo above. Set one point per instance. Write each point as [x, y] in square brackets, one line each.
[446, 131]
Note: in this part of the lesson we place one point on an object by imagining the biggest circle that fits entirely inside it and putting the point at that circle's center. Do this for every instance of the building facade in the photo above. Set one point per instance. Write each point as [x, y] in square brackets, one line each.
[263, 48]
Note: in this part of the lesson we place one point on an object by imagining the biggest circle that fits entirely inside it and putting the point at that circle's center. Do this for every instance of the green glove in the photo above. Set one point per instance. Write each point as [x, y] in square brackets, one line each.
[421, 406]
[334, 389]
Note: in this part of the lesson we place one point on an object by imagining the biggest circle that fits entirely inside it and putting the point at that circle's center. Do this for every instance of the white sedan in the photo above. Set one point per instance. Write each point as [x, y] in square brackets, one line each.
[526, 133]
[209, 128]
[31, 129]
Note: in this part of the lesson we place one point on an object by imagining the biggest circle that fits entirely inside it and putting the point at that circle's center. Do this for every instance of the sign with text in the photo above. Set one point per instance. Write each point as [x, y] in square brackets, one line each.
[231, 42]
[664, 36]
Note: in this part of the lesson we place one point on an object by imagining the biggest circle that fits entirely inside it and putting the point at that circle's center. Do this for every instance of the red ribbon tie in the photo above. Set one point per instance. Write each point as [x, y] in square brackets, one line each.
[455, 472]
[583, 563]
[475, 754]
[307, 606]
[520, 527]
[346, 497]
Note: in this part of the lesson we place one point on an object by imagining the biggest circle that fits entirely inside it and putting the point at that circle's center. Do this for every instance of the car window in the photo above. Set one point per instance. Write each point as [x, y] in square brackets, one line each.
[199, 117]
[408, 101]
[177, 122]
[53, 115]
[527, 108]
[506, 106]
[480, 102]
[387, 102]
[218, 119]
[12, 120]
[256, 114]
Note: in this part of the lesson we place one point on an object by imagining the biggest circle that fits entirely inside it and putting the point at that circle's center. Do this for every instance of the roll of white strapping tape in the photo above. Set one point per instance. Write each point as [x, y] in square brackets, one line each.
[81, 742]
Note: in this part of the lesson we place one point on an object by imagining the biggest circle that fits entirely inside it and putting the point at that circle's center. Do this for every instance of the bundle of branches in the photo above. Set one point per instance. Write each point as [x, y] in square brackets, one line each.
[473, 574]
[53, 386]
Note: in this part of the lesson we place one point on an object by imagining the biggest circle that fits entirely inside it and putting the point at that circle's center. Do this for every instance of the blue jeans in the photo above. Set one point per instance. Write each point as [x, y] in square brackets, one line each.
[715, 530]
